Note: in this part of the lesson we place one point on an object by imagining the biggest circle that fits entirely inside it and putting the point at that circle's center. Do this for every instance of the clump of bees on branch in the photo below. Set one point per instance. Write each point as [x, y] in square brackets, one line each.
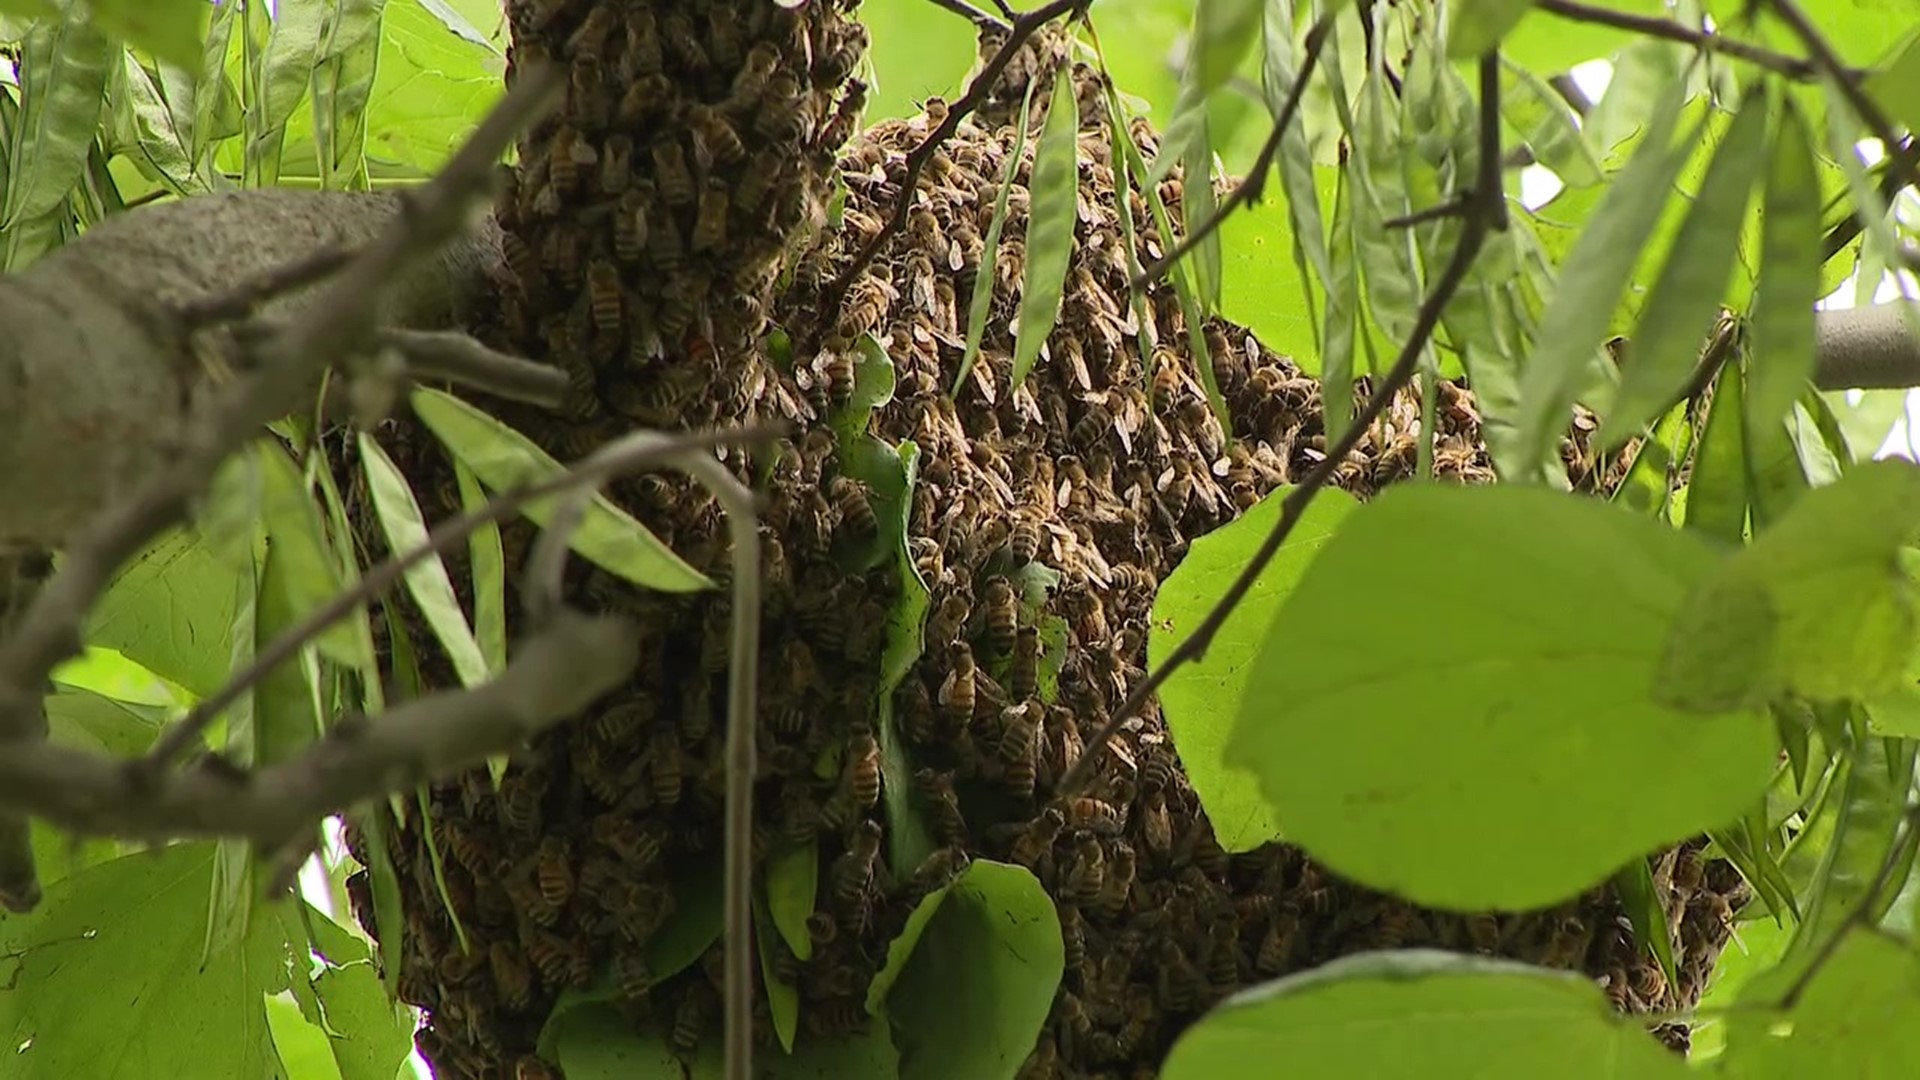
[646, 231]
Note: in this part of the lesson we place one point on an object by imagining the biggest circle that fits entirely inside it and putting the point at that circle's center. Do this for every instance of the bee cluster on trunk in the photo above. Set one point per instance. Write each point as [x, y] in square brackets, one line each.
[1042, 521]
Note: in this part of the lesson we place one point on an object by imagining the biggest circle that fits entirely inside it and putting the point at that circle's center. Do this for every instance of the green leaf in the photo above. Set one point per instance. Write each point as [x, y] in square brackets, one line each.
[1789, 273]
[1422, 1013]
[170, 29]
[1252, 243]
[62, 73]
[489, 560]
[1592, 278]
[1549, 44]
[1649, 485]
[1547, 124]
[900, 949]
[976, 992]
[1717, 487]
[504, 459]
[1855, 1018]
[1478, 26]
[873, 382]
[369, 1034]
[85, 720]
[908, 840]
[1223, 31]
[783, 999]
[982, 303]
[696, 922]
[280, 55]
[342, 83]
[793, 882]
[384, 883]
[1641, 901]
[1197, 698]
[597, 1043]
[312, 575]
[110, 982]
[1376, 751]
[1052, 212]
[302, 1046]
[1666, 347]
[172, 611]
[427, 580]
[1894, 84]
[1825, 588]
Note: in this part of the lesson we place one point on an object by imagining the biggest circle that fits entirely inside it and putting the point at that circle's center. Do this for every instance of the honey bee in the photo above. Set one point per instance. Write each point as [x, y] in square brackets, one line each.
[690, 1017]
[553, 871]
[1117, 885]
[1182, 988]
[676, 29]
[1275, 954]
[856, 511]
[845, 119]
[758, 179]
[710, 221]
[521, 260]
[643, 55]
[1689, 873]
[782, 117]
[665, 767]
[863, 768]
[832, 64]
[1088, 875]
[942, 803]
[853, 870]
[939, 869]
[1023, 543]
[838, 371]
[616, 164]
[457, 968]
[1020, 725]
[557, 960]
[1092, 428]
[1001, 614]
[1023, 675]
[726, 36]
[646, 96]
[533, 1067]
[561, 255]
[867, 304]
[958, 693]
[564, 153]
[455, 837]
[631, 975]
[1043, 1063]
[1073, 937]
[589, 101]
[714, 137]
[1096, 816]
[944, 625]
[511, 979]
[671, 174]
[1484, 932]
[751, 80]
[603, 291]
[665, 249]
[757, 263]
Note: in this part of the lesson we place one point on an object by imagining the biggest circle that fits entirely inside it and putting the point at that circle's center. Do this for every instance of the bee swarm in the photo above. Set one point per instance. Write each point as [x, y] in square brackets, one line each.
[645, 250]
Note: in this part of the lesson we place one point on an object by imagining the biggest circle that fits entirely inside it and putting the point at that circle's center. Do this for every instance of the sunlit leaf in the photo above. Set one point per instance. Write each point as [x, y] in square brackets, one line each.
[974, 996]
[62, 70]
[982, 303]
[908, 840]
[368, 1033]
[1545, 121]
[1051, 216]
[312, 575]
[119, 987]
[1717, 487]
[1853, 1019]
[504, 459]
[281, 50]
[1223, 31]
[170, 29]
[172, 610]
[1640, 899]
[793, 880]
[1422, 1014]
[1196, 697]
[489, 562]
[427, 580]
[1376, 749]
[1685, 299]
[1789, 273]
[1478, 25]
[89, 721]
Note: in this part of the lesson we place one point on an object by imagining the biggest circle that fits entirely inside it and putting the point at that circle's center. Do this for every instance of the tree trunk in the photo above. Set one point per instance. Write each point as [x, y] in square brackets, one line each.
[646, 232]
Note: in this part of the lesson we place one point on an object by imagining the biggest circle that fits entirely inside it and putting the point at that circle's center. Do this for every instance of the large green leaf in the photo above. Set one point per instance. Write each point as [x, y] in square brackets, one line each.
[1513, 714]
[368, 1034]
[504, 459]
[112, 985]
[1255, 293]
[172, 610]
[427, 580]
[89, 721]
[1199, 698]
[61, 72]
[1051, 218]
[1856, 1018]
[170, 29]
[1549, 44]
[1478, 25]
[1817, 606]
[973, 998]
[1422, 1014]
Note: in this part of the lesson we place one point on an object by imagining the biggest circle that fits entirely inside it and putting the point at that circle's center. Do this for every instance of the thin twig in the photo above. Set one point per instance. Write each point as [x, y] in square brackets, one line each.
[1850, 84]
[1024, 27]
[596, 469]
[1793, 67]
[1486, 213]
[457, 358]
[1250, 186]
[974, 15]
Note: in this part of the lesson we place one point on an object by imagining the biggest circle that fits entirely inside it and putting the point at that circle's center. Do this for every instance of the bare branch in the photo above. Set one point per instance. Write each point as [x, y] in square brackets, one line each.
[459, 359]
[637, 451]
[1486, 212]
[553, 675]
[244, 298]
[1793, 67]
[974, 15]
